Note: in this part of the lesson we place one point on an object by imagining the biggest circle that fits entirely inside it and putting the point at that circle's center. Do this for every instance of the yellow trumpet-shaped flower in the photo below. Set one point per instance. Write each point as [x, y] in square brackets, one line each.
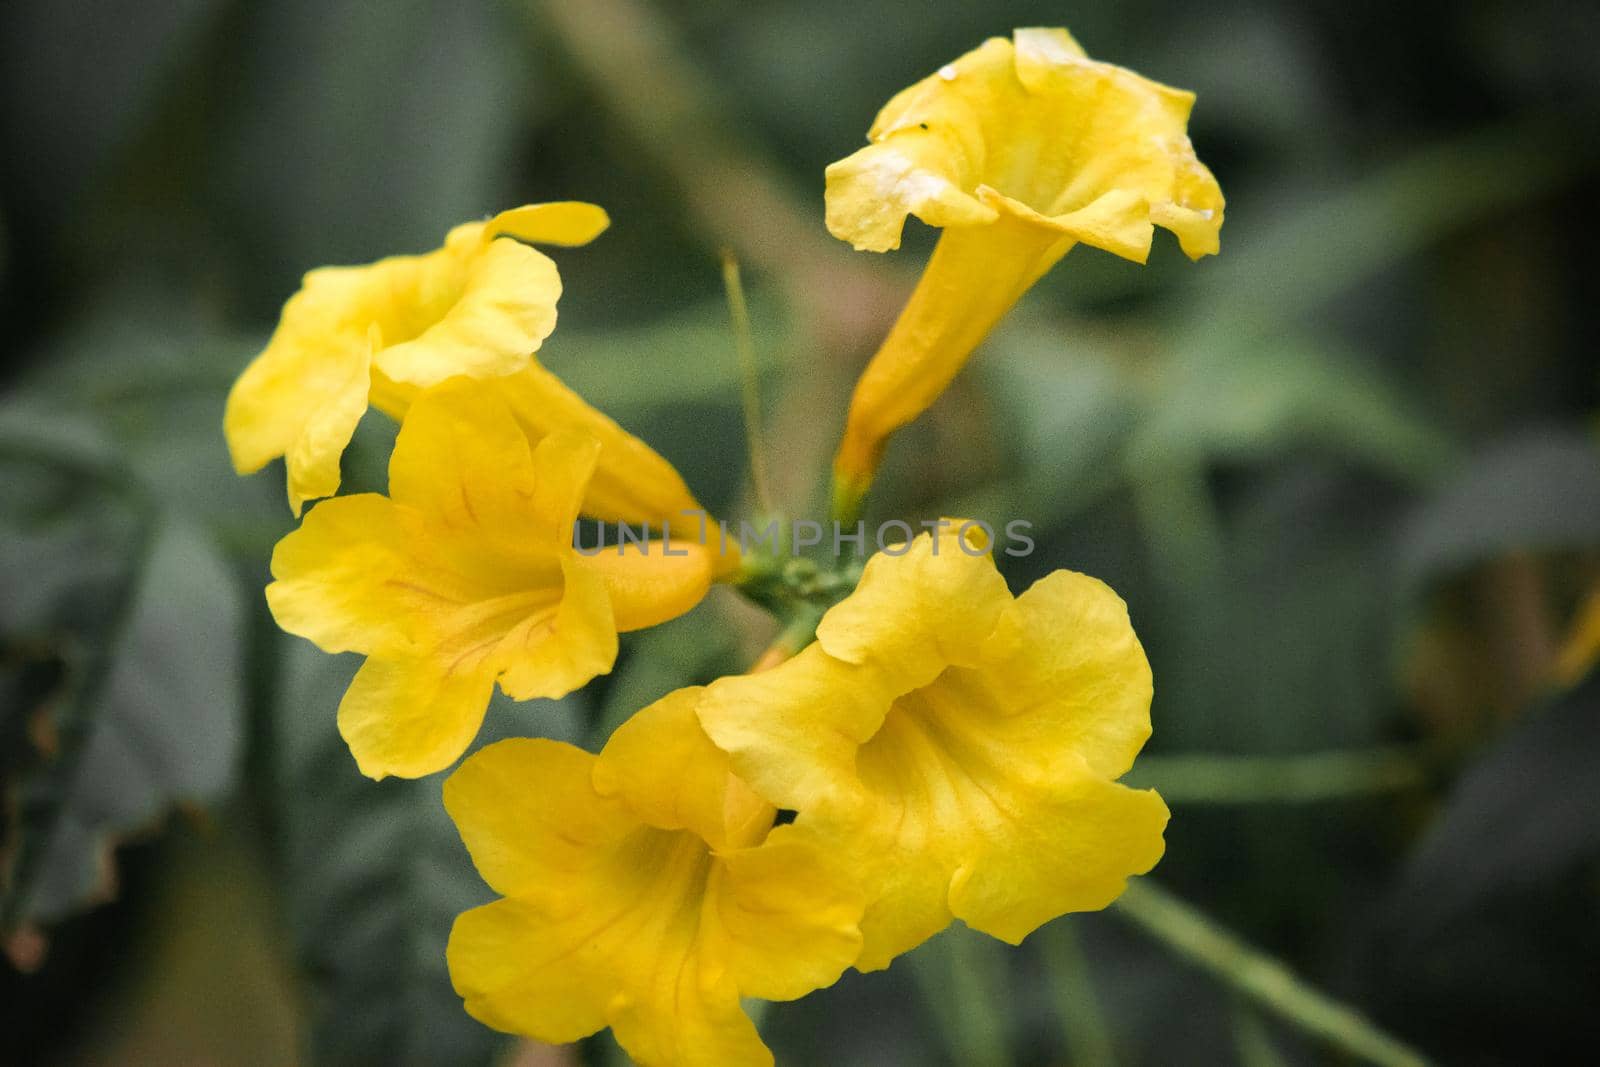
[465, 575]
[644, 889]
[478, 306]
[1020, 149]
[632, 482]
[960, 744]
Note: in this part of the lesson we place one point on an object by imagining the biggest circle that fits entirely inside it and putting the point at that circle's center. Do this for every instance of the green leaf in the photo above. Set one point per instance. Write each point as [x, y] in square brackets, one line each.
[1536, 492]
[143, 617]
[686, 357]
[1316, 246]
[358, 130]
[1255, 400]
[375, 874]
[152, 372]
[80, 66]
[693, 649]
[1522, 816]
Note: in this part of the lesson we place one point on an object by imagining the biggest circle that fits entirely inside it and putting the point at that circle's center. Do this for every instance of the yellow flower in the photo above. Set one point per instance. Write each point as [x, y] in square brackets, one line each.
[1019, 150]
[644, 889]
[479, 306]
[632, 483]
[961, 745]
[465, 575]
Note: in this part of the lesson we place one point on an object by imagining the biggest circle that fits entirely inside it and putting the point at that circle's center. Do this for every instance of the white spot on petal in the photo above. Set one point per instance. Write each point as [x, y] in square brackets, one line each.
[947, 72]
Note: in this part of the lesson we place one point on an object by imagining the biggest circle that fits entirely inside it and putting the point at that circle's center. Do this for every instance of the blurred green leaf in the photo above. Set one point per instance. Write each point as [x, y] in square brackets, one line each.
[83, 66]
[1250, 402]
[963, 978]
[151, 371]
[374, 875]
[685, 357]
[1071, 985]
[1311, 246]
[143, 616]
[402, 118]
[693, 649]
[1277, 655]
[1091, 415]
[1535, 492]
[1523, 815]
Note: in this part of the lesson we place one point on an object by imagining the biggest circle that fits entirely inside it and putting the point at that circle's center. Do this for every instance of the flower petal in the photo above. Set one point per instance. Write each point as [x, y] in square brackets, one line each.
[689, 1020]
[462, 460]
[967, 791]
[653, 582]
[632, 482]
[914, 613]
[508, 964]
[786, 915]
[1082, 839]
[792, 732]
[1037, 122]
[551, 654]
[300, 398]
[564, 222]
[525, 810]
[415, 716]
[661, 763]
[606, 922]
[504, 307]
[345, 579]
[871, 192]
[1074, 674]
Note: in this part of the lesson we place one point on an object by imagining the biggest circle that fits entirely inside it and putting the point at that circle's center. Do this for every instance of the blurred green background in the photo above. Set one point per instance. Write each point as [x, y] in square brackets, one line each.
[1346, 474]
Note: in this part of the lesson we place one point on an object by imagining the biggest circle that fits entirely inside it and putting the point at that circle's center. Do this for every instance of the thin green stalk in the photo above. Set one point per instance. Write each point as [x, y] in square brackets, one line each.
[749, 376]
[1279, 779]
[1251, 1040]
[961, 975]
[1087, 1037]
[1261, 979]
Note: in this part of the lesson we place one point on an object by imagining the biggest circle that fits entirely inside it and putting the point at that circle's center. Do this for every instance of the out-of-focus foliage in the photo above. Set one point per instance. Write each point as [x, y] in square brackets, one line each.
[1345, 474]
[387, 855]
[124, 666]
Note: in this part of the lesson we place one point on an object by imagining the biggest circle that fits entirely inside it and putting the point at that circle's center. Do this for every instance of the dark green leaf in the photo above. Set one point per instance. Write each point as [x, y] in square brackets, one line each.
[1253, 401]
[79, 76]
[364, 130]
[1523, 815]
[693, 649]
[375, 874]
[1537, 492]
[143, 617]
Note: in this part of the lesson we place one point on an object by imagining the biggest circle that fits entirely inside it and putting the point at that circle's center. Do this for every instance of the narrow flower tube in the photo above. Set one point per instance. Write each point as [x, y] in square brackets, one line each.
[632, 482]
[480, 305]
[960, 746]
[465, 576]
[645, 889]
[1018, 150]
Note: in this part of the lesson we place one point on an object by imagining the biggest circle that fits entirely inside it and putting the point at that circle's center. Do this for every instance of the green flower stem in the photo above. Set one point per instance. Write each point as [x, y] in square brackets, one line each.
[1086, 1035]
[749, 378]
[961, 975]
[1279, 779]
[797, 633]
[1251, 1040]
[1258, 977]
[797, 590]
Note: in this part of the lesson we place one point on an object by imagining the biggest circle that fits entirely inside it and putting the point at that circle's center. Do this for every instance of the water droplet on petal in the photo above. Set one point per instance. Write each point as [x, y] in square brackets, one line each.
[948, 72]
